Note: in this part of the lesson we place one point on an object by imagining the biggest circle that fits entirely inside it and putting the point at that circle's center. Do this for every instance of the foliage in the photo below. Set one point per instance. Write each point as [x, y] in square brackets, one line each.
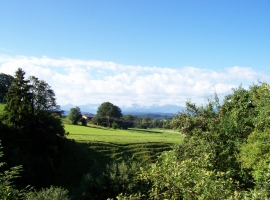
[75, 115]
[196, 119]
[30, 106]
[2, 106]
[107, 109]
[52, 193]
[116, 178]
[188, 179]
[18, 110]
[83, 121]
[30, 133]
[106, 114]
[219, 130]
[43, 97]
[255, 154]
[8, 190]
[5, 82]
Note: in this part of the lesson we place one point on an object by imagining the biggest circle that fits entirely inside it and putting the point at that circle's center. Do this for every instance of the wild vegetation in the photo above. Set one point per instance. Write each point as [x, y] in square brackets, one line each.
[224, 153]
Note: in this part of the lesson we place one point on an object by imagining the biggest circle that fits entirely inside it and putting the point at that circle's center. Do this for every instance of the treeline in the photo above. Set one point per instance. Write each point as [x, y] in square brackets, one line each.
[110, 115]
[131, 121]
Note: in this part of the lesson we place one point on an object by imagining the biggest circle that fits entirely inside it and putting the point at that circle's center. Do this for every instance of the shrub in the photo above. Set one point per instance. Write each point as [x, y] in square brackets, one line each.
[117, 178]
[188, 179]
[83, 121]
[52, 193]
[8, 190]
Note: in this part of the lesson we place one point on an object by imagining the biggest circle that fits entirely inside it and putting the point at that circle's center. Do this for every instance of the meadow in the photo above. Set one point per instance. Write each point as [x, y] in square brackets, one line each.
[99, 134]
[115, 144]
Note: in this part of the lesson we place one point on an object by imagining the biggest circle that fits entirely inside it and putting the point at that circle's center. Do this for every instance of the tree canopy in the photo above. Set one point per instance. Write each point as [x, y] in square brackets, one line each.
[75, 115]
[108, 109]
[108, 114]
[30, 130]
[5, 83]
[18, 106]
[43, 97]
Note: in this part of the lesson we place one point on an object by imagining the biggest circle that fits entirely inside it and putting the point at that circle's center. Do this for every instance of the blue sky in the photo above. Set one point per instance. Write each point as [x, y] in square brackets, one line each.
[146, 52]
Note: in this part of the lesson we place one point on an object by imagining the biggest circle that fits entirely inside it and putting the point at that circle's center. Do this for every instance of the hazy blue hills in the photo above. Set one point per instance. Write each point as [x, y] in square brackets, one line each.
[134, 109]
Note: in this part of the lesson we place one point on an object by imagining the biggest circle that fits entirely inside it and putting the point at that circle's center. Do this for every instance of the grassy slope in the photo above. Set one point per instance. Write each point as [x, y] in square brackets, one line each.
[143, 145]
[81, 133]
[103, 146]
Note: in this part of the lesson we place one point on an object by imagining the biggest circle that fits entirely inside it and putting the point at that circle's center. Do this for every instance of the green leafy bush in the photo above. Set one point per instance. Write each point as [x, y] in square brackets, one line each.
[188, 179]
[115, 179]
[8, 190]
[52, 193]
[83, 121]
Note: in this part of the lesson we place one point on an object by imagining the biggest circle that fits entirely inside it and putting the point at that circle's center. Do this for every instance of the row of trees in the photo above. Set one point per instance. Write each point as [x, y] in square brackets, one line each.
[110, 115]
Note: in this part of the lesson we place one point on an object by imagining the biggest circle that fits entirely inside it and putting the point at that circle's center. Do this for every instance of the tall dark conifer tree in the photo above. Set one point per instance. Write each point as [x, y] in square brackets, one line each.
[18, 99]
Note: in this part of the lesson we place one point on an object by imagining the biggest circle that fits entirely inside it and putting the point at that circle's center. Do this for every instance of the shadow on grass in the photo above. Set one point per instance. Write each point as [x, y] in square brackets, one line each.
[78, 159]
[144, 131]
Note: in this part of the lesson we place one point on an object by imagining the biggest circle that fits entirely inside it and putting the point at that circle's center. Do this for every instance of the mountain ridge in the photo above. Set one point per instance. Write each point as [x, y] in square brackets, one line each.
[134, 108]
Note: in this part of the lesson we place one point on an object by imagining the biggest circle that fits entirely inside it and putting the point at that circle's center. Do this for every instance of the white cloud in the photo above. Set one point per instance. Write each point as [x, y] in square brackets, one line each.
[86, 81]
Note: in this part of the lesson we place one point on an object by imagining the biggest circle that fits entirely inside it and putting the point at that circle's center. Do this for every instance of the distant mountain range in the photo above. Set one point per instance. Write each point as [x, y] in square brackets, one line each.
[134, 109]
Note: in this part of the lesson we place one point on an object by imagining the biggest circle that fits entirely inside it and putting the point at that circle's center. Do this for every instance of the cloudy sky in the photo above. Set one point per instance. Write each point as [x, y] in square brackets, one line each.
[137, 52]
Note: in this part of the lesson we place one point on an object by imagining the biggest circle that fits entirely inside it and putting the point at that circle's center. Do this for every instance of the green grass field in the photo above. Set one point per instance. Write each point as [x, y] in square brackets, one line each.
[144, 145]
[81, 133]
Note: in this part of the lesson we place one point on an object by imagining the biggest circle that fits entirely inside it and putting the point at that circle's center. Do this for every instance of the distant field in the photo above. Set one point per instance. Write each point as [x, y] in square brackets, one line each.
[105, 144]
[81, 133]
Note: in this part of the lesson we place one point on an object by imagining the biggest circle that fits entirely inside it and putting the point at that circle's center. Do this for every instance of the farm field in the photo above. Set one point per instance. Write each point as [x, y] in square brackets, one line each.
[81, 133]
[144, 145]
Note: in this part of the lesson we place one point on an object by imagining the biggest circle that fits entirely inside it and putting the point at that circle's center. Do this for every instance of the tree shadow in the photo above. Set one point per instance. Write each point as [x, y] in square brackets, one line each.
[78, 159]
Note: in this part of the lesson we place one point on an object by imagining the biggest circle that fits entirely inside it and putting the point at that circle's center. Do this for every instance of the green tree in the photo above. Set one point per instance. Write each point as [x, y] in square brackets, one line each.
[37, 131]
[127, 121]
[30, 106]
[170, 178]
[129, 117]
[75, 115]
[218, 130]
[254, 152]
[107, 113]
[83, 121]
[107, 109]
[18, 110]
[5, 83]
[43, 97]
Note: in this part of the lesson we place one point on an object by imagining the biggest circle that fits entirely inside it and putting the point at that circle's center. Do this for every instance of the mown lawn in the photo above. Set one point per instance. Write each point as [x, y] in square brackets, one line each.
[81, 133]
